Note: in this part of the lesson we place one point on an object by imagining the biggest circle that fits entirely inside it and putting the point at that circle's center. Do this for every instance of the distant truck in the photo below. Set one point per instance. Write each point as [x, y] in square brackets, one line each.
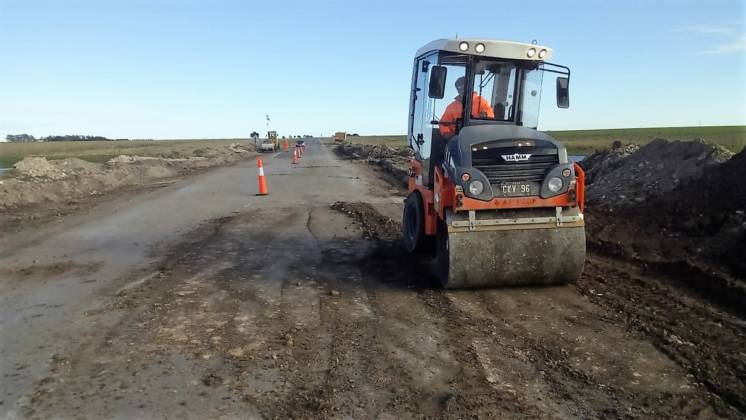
[340, 136]
[267, 145]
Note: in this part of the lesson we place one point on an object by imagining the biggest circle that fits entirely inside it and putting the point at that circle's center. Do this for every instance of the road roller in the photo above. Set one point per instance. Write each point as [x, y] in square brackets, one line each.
[498, 202]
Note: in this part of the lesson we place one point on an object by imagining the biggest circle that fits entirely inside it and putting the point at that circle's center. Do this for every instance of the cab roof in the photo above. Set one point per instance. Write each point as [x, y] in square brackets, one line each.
[492, 48]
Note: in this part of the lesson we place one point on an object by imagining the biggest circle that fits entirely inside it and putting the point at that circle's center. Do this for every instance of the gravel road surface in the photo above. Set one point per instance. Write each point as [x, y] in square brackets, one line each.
[202, 300]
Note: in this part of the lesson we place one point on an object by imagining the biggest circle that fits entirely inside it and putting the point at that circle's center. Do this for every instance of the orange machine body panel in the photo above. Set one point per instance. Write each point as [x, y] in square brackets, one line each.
[415, 184]
[444, 196]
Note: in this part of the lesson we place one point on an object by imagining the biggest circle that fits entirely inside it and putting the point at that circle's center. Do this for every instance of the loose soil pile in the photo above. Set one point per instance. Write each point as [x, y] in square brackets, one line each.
[632, 174]
[394, 162]
[374, 225]
[39, 180]
[676, 206]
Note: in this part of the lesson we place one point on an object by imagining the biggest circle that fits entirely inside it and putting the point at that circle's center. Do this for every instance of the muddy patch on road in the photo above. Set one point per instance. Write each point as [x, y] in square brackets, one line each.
[41, 271]
[374, 224]
[294, 313]
[707, 342]
[625, 337]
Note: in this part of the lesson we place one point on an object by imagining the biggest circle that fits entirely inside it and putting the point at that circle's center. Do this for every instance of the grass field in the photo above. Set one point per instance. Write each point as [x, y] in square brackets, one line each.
[101, 151]
[578, 142]
[583, 142]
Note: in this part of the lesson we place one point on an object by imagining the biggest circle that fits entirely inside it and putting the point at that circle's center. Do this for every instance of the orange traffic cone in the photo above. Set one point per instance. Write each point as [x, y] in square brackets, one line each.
[262, 181]
[285, 145]
[295, 156]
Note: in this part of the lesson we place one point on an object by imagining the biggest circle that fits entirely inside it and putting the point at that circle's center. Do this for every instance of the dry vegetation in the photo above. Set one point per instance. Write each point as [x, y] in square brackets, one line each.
[101, 151]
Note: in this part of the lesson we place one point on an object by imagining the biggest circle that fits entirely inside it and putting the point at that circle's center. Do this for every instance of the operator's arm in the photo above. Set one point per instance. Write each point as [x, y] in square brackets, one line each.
[485, 109]
[447, 124]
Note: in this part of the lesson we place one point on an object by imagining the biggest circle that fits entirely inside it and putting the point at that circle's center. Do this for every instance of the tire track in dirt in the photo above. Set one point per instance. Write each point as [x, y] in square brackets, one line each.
[462, 388]
[292, 314]
[584, 378]
[706, 341]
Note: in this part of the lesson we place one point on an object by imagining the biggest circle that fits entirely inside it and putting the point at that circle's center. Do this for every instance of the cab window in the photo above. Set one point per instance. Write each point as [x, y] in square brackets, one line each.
[494, 85]
[447, 112]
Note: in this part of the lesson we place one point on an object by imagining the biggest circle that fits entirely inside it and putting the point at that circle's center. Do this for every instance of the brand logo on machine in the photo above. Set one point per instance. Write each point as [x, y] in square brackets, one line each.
[516, 157]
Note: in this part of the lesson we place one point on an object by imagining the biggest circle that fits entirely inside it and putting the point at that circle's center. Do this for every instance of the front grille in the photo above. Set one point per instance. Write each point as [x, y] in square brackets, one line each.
[498, 170]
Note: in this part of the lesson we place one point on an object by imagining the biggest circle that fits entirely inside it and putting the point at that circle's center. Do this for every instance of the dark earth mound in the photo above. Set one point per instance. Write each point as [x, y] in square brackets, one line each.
[677, 206]
[393, 162]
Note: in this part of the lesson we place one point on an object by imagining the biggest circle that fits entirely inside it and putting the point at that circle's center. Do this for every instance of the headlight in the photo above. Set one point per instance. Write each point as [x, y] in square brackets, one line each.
[554, 184]
[476, 187]
[542, 53]
[479, 48]
[531, 52]
[463, 46]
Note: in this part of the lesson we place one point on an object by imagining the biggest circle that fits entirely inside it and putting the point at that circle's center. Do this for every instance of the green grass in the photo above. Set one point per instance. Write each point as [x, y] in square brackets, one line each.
[101, 151]
[583, 142]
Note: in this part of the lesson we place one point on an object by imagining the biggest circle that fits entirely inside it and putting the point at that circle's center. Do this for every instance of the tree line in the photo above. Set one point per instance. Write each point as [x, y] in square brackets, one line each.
[25, 138]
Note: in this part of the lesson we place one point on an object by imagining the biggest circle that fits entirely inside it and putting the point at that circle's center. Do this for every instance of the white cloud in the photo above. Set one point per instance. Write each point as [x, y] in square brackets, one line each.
[732, 39]
[736, 46]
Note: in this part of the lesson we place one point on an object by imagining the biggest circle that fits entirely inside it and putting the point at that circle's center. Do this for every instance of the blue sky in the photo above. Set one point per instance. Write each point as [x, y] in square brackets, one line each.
[199, 69]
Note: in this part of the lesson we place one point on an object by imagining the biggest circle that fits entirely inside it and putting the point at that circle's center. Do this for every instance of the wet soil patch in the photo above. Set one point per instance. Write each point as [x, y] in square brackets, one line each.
[49, 270]
[375, 225]
[255, 314]
[706, 341]
[713, 356]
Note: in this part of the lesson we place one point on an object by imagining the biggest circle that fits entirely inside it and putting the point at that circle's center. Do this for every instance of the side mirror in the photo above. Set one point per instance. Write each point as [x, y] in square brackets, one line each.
[563, 92]
[437, 87]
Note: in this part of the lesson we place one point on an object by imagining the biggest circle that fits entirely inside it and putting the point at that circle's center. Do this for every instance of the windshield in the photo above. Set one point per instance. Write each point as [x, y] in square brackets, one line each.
[495, 96]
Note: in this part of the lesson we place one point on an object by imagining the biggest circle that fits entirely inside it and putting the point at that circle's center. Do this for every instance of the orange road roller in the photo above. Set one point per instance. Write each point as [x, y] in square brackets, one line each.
[498, 202]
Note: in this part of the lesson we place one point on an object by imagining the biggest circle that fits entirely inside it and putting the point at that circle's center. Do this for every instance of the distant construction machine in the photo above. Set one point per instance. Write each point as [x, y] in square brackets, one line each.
[340, 136]
[270, 143]
[272, 136]
[497, 201]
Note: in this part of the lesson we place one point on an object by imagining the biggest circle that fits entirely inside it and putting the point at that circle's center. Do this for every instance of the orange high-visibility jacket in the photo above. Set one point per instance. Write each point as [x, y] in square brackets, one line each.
[480, 108]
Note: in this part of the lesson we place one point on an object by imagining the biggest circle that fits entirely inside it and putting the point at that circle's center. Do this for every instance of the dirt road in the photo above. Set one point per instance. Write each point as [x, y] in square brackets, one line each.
[202, 300]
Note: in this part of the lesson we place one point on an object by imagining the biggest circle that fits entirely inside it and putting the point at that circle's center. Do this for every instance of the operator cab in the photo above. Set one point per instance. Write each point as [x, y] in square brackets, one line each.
[495, 122]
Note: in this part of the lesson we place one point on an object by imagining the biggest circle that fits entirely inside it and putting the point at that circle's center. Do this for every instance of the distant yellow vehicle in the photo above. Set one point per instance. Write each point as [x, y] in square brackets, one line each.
[272, 135]
[340, 136]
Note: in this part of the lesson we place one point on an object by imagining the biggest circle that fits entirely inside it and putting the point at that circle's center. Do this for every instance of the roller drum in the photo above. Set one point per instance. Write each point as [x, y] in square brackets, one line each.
[516, 257]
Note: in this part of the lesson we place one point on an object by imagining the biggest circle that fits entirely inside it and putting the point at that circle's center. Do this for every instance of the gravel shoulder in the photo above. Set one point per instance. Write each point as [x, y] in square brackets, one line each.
[43, 191]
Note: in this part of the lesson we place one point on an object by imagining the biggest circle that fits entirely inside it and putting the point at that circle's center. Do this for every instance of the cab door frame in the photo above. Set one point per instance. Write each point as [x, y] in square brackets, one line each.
[420, 130]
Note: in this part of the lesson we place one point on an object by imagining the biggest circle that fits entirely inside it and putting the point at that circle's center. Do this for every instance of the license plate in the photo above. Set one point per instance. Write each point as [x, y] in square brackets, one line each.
[513, 189]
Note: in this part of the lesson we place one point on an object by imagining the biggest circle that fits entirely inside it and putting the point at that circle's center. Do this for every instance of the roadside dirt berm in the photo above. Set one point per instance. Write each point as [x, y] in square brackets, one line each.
[261, 180]
[498, 202]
